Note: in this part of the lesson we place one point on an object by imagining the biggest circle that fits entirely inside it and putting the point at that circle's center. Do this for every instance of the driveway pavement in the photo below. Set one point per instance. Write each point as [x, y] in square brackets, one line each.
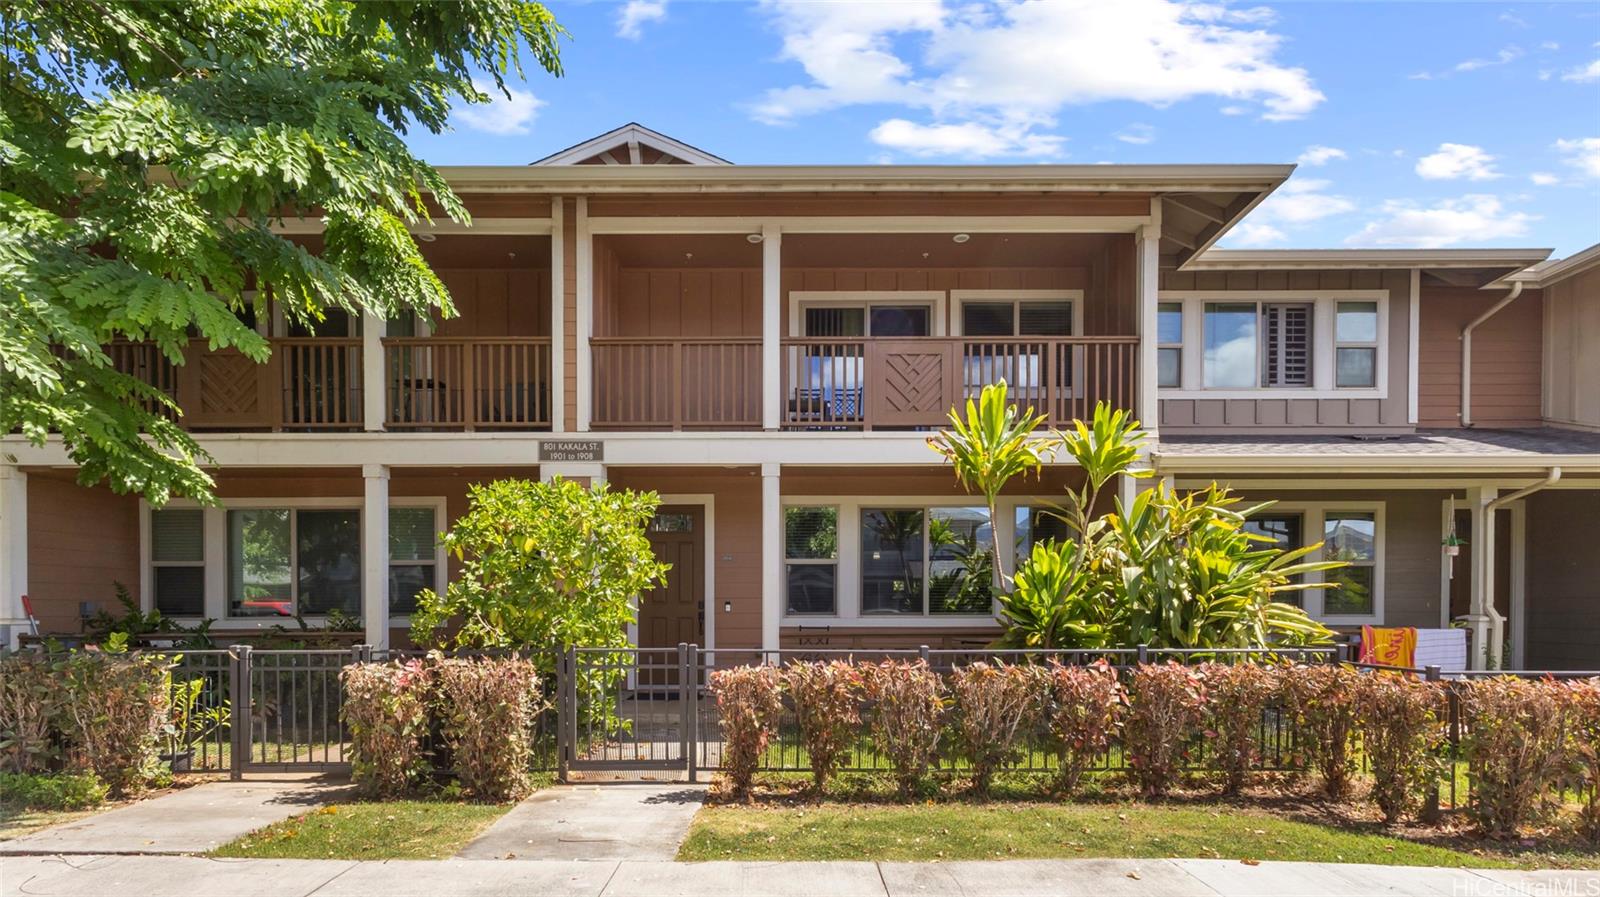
[160, 876]
[193, 820]
[593, 822]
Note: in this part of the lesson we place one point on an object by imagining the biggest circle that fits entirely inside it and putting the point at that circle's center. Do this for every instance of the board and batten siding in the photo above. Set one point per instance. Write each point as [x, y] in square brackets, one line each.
[1572, 341]
[1506, 358]
[1277, 410]
[1563, 595]
[496, 302]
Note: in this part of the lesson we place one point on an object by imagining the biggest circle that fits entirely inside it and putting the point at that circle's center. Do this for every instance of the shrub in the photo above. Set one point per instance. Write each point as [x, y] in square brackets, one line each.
[907, 711]
[1400, 733]
[30, 706]
[826, 698]
[997, 705]
[58, 791]
[1239, 694]
[1514, 733]
[749, 703]
[114, 709]
[1164, 713]
[1086, 712]
[486, 710]
[386, 711]
[1584, 703]
[1322, 699]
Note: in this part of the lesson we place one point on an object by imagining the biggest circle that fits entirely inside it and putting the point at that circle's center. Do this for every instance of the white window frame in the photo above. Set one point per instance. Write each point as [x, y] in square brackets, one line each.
[833, 562]
[800, 300]
[1314, 516]
[1324, 304]
[959, 299]
[215, 540]
[1375, 345]
[1183, 350]
[147, 590]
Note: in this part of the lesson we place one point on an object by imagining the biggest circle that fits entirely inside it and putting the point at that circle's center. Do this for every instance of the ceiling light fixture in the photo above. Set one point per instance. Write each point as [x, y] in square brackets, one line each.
[960, 238]
[753, 238]
[425, 236]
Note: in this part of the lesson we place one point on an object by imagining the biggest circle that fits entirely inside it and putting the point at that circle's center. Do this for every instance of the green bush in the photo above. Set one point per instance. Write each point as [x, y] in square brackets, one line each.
[1322, 698]
[749, 703]
[1164, 714]
[1401, 731]
[30, 713]
[486, 710]
[386, 711]
[115, 708]
[56, 791]
[1515, 734]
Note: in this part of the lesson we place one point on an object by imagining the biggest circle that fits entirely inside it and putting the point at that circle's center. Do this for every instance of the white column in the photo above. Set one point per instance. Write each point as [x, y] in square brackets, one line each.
[375, 553]
[771, 325]
[771, 557]
[1482, 591]
[373, 382]
[1147, 406]
[13, 553]
[558, 311]
[584, 258]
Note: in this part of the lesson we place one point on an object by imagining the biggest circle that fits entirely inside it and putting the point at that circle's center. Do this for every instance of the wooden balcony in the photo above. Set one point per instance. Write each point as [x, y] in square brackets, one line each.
[307, 384]
[704, 383]
[436, 383]
[911, 383]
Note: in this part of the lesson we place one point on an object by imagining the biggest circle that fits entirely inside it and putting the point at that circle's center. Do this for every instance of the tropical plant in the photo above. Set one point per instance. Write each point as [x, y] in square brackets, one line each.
[1514, 737]
[114, 709]
[1401, 734]
[1321, 697]
[1584, 705]
[996, 709]
[193, 719]
[544, 566]
[1085, 716]
[147, 149]
[1238, 694]
[749, 702]
[385, 709]
[907, 717]
[825, 695]
[1165, 709]
[486, 710]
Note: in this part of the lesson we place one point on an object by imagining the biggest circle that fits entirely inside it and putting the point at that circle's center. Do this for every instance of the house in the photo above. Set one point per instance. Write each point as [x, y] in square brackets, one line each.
[767, 347]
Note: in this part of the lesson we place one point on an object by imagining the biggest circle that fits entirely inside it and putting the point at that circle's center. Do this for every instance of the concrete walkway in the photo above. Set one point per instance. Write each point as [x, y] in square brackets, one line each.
[193, 820]
[188, 876]
[593, 822]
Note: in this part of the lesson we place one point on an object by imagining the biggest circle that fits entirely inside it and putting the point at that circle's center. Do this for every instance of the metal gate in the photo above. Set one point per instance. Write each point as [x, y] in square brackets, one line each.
[291, 701]
[635, 709]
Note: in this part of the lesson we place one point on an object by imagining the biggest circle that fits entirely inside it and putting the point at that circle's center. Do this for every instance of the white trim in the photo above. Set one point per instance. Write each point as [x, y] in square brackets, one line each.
[585, 314]
[1148, 282]
[374, 373]
[631, 134]
[1518, 574]
[558, 311]
[771, 326]
[1414, 344]
[772, 602]
[1313, 521]
[872, 224]
[800, 300]
[1288, 259]
[1447, 562]
[708, 577]
[13, 549]
[441, 227]
[374, 550]
[959, 298]
[1323, 352]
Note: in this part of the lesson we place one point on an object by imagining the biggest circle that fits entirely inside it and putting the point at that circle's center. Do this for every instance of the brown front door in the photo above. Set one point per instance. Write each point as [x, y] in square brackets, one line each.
[674, 612]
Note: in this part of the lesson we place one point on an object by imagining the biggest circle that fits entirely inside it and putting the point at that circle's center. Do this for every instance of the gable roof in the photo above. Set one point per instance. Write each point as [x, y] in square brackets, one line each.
[631, 144]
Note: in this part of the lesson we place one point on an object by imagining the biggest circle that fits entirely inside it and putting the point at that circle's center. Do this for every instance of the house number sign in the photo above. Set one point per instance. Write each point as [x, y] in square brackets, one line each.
[558, 450]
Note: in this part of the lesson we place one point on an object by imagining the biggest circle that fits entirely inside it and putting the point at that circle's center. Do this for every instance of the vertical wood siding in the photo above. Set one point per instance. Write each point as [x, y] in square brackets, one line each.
[1572, 339]
[1563, 596]
[1506, 358]
[80, 541]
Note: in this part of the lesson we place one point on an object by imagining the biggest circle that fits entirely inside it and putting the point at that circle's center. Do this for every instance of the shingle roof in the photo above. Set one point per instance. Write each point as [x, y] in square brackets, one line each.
[1510, 444]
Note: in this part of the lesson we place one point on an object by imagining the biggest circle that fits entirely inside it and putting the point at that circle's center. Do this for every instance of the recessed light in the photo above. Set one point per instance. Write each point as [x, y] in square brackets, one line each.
[425, 236]
[753, 238]
[960, 238]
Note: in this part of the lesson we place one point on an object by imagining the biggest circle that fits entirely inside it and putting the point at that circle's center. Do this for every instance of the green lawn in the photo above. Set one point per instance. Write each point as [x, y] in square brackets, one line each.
[1024, 830]
[397, 830]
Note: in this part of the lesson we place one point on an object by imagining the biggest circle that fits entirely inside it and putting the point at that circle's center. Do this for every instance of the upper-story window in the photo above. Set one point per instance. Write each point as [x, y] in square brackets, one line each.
[1242, 345]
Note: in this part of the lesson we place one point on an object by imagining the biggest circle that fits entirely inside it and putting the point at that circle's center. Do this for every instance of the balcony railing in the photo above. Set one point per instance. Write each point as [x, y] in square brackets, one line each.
[912, 383]
[467, 383]
[307, 384]
[673, 384]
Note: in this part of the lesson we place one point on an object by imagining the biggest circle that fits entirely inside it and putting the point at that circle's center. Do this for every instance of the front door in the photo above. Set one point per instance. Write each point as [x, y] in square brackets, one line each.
[674, 612]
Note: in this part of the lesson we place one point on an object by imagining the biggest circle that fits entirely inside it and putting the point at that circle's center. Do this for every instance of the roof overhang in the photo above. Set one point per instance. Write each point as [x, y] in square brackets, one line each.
[1543, 275]
[1370, 465]
[1447, 267]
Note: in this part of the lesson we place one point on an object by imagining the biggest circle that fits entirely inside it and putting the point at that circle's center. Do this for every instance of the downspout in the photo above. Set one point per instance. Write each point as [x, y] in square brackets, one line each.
[1466, 350]
[1497, 623]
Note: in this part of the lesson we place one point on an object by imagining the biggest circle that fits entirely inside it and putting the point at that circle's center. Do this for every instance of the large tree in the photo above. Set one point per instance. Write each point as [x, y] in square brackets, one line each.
[147, 149]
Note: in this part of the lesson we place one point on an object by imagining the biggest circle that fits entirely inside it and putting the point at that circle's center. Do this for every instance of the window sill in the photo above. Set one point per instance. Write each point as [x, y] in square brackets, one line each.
[1271, 393]
[893, 622]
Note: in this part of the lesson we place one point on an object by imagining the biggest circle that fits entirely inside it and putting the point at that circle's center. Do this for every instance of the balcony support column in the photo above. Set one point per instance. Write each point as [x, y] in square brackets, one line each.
[771, 557]
[13, 554]
[1147, 405]
[373, 383]
[771, 325]
[375, 554]
[583, 256]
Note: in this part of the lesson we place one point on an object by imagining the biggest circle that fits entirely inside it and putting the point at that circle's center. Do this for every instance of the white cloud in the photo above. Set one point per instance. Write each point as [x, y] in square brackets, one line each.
[1514, 20]
[1457, 160]
[1301, 201]
[633, 15]
[1583, 74]
[1506, 55]
[1582, 153]
[963, 139]
[1247, 234]
[1138, 134]
[1475, 218]
[1318, 154]
[502, 116]
[1543, 178]
[1018, 64]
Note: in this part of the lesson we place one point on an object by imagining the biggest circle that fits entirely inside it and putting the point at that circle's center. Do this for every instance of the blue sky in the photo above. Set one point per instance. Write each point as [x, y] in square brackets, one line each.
[1416, 124]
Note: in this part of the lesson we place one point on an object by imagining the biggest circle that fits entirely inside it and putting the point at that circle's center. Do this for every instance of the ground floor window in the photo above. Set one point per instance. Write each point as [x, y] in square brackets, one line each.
[413, 556]
[1349, 531]
[811, 560]
[284, 562]
[178, 561]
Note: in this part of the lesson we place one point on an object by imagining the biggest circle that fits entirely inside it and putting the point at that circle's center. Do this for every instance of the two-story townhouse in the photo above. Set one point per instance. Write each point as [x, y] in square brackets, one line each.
[768, 347]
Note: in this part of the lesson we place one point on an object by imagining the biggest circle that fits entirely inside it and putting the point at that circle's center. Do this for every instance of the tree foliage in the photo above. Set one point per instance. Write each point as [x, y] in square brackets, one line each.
[1167, 570]
[146, 149]
[543, 565]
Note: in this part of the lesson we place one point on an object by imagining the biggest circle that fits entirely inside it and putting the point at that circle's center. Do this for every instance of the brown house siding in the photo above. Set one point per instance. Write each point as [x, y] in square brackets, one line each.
[1572, 338]
[80, 541]
[495, 302]
[1135, 204]
[1506, 358]
[1287, 414]
[1563, 595]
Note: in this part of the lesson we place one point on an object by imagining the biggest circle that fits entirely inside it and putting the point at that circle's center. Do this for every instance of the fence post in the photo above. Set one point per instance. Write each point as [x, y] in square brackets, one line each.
[922, 652]
[689, 696]
[1430, 806]
[566, 714]
[360, 653]
[1141, 654]
[240, 717]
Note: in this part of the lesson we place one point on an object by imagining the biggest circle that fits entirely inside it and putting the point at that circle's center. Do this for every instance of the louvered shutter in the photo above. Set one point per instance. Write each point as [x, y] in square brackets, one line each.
[1287, 327]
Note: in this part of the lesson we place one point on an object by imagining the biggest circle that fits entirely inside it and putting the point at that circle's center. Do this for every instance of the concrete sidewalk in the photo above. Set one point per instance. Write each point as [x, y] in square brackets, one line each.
[193, 820]
[187, 876]
[593, 822]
